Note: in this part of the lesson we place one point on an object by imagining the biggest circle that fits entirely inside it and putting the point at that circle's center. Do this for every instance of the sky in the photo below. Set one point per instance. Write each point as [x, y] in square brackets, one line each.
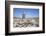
[29, 12]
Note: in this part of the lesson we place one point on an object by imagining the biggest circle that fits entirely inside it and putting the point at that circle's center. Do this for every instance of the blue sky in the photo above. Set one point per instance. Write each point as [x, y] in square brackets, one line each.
[28, 12]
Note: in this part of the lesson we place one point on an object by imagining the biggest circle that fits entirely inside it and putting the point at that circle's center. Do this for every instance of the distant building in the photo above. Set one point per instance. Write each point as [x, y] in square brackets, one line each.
[23, 16]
